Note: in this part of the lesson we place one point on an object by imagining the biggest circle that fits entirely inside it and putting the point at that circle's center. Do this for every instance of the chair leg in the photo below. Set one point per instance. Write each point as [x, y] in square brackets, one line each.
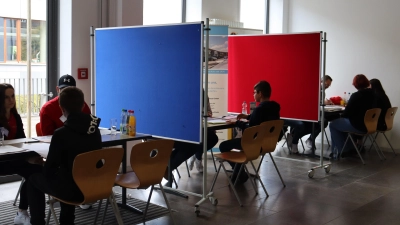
[284, 135]
[389, 143]
[148, 201]
[377, 148]
[215, 176]
[251, 180]
[166, 202]
[49, 211]
[51, 205]
[277, 170]
[355, 145]
[98, 211]
[232, 185]
[105, 211]
[115, 208]
[19, 190]
[373, 141]
[327, 140]
[187, 167]
[177, 171]
[259, 180]
[212, 156]
[340, 156]
[301, 141]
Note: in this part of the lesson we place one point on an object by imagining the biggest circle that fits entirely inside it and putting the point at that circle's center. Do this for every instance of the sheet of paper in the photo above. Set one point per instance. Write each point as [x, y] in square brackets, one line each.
[41, 148]
[7, 149]
[19, 140]
[46, 139]
[216, 121]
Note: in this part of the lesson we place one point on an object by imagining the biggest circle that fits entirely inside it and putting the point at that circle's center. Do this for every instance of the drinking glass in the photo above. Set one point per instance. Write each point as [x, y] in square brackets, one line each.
[113, 126]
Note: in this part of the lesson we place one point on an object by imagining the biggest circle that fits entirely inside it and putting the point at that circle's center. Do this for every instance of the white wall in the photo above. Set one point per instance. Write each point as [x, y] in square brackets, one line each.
[363, 37]
[193, 10]
[221, 9]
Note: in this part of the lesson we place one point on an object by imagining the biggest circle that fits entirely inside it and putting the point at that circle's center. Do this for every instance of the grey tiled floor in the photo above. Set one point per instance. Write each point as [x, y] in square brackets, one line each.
[352, 193]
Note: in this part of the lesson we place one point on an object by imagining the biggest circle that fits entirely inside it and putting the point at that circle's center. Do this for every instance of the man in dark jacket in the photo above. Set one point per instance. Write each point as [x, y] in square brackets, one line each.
[265, 111]
[79, 134]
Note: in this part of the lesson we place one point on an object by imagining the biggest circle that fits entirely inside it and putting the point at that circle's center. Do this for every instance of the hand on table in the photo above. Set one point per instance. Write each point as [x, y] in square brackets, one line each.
[242, 116]
[328, 102]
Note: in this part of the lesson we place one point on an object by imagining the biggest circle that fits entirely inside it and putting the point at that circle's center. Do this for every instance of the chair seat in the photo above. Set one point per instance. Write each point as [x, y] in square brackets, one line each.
[127, 180]
[67, 202]
[235, 157]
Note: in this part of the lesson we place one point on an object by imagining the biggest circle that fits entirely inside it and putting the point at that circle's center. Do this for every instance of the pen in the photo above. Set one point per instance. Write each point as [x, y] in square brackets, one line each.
[27, 142]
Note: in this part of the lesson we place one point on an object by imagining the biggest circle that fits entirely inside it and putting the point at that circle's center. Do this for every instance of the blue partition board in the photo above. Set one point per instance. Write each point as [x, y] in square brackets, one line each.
[155, 71]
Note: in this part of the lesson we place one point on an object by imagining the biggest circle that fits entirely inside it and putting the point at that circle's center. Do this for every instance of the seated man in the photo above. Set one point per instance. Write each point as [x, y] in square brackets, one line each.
[79, 134]
[300, 128]
[266, 110]
[51, 116]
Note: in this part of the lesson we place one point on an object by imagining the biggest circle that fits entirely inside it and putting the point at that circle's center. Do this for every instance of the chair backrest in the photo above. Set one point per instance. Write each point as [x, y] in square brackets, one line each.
[389, 117]
[272, 129]
[39, 130]
[252, 139]
[96, 183]
[371, 119]
[149, 161]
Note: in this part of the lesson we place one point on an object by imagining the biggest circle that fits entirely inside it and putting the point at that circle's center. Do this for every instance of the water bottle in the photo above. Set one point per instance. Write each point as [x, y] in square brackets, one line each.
[244, 108]
[131, 123]
[122, 126]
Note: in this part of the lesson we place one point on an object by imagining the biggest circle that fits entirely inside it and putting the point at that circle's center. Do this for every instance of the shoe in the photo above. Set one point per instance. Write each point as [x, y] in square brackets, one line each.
[191, 162]
[309, 143]
[22, 218]
[294, 149]
[199, 165]
[86, 206]
[243, 177]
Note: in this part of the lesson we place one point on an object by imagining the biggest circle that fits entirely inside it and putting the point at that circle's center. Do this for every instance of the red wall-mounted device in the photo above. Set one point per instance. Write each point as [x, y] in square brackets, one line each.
[83, 73]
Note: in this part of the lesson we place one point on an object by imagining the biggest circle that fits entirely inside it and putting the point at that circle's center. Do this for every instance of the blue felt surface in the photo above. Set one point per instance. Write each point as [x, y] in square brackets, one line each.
[156, 71]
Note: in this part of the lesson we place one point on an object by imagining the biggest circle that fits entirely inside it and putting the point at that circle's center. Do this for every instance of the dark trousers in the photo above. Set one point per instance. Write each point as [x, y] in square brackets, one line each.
[183, 150]
[227, 146]
[38, 185]
[23, 169]
[212, 140]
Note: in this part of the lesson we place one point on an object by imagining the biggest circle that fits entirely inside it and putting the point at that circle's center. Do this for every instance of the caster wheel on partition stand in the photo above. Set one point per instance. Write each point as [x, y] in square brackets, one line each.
[327, 168]
[311, 173]
[197, 211]
[128, 196]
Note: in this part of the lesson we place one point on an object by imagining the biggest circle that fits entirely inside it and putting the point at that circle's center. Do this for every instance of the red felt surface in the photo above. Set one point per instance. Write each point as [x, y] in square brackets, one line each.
[289, 62]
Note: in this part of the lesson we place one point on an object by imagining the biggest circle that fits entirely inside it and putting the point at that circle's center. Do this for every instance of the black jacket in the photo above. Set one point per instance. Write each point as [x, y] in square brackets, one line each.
[20, 127]
[358, 104]
[384, 104]
[79, 134]
[265, 111]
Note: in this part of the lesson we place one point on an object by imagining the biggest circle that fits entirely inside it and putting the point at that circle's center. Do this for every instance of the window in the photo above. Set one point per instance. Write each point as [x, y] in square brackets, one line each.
[162, 11]
[13, 34]
[252, 14]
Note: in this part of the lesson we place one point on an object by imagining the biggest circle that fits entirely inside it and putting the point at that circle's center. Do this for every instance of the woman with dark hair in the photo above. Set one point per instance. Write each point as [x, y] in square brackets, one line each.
[383, 102]
[352, 120]
[12, 128]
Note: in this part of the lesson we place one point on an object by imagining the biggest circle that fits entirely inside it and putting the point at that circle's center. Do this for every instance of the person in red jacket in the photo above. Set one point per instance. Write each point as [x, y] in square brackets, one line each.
[51, 116]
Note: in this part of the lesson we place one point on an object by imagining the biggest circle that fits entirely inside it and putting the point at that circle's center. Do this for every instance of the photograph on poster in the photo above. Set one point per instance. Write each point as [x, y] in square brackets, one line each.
[218, 52]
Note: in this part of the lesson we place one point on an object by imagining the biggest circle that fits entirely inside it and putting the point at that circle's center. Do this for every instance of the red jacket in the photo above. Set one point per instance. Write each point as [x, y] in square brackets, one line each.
[50, 114]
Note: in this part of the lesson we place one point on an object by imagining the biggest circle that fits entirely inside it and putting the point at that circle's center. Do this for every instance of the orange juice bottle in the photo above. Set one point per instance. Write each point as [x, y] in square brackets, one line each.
[131, 124]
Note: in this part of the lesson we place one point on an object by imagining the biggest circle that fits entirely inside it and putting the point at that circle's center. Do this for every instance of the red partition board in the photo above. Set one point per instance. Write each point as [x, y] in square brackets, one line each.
[289, 62]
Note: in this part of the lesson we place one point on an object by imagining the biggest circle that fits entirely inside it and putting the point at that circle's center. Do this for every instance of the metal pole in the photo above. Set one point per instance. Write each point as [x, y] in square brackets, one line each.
[92, 73]
[323, 99]
[205, 111]
[28, 63]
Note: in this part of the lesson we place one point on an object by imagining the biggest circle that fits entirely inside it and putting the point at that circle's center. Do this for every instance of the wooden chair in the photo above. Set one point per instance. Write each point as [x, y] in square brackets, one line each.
[94, 183]
[251, 142]
[272, 130]
[149, 161]
[38, 133]
[389, 120]
[371, 121]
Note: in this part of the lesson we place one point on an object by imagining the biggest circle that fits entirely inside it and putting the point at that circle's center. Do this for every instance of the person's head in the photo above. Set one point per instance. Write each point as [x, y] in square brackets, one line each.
[376, 86]
[65, 81]
[360, 81]
[71, 100]
[7, 98]
[262, 91]
[327, 81]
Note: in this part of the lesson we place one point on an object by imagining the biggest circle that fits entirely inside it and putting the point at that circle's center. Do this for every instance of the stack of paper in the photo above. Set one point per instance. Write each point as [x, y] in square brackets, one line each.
[8, 149]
